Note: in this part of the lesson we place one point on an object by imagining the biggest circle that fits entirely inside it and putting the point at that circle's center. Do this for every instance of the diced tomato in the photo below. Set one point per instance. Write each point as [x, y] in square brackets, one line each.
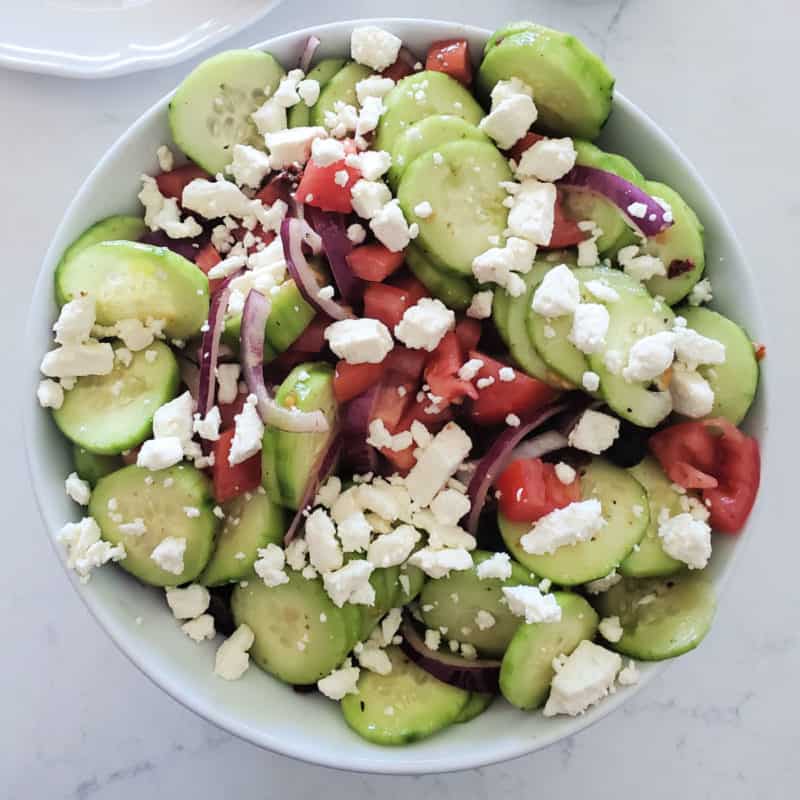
[391, 403]
[522, 396]
[389, 303]
[399, 70]
[416, 411]
[468, 332]
[441, 372]
[318, 186]
[172, 183]
[228, 411]
[350, 380]
[451, 56]
[279, 187]
[207, 257]
[312, 339]
[529, 489]
[401, 460]
[566, 232]
[231, 481]
[526, 142]
[716, 457]
[374, 261]
[761, 351]
[407, 362]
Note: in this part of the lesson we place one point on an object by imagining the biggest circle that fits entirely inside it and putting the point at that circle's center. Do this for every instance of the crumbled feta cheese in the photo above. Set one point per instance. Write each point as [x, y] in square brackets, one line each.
[50, 394]
[78, 360]
[589, 327]
[370, 197]
[629, 676]
[286, 93]
[328, 492]
[532, 213]
[166, 160]
[174, 419]
[498, 567]
[693, 348]
[308, 90]
[340, 682]
[325, 152]
[374, 659]
[500, 265]
[350, 584]
[390, 227]
[221, 198]
[356, 233]
[438, 462]
[590, 381]
[391, 624]
[389, 502]
[547, 160]
[610, 629]
[354, 532]
[323, 547]
[481, 305]
[85, 548]
[248, 433]
[513, 421]
[342, 120]
[424, 324]
[359, 341]
[208, 428]
[603, 584]
[586, 677]
[558, 294]
[529, 602]
[470, 369]
[392, 549]
[168, 554]
[249, 166]
[77, 490]
[512, 113]
[637, 210]
[484, 620]
[135, 527]
[163, 213]
[439, 563]
[161, 453]
[433, 639]
[232, 659]
[650, 357]
[228, 382]
[374, 47]
[686, 539]
[373, 86]
[640, 267]
[296, 554]
[450, 506]
[190, 602]
[200, 628]
[691, 393]
[577, 522]
[701, 293]
[371, 110]
[594, 433]
[75, 321]
[270, 565]
[380, 437]
[270, 117]
[602, 291]
[292, 146]
[565, 473]
[372, 164]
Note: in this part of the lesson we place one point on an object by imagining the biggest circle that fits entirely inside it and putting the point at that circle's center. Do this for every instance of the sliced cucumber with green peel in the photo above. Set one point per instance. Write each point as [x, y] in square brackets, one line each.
[300, 635]
[108, 414]
[231, 336]
[288, 458]
[454, 602]
[160, 500]
[476, 705]
[619, 495]
[681, 241]
[453, 290]
[341, 87]
[131, 280]
[660, 617]
[648, 559]
[404, 706]
[92, 466]
[527, 668]
[505, 32]
[734, 382]
[251, 521]
[428, 134]
[120, 227]
[299, 115]
[461, 181]
[423, 94]
[210, 111]
[572, 87]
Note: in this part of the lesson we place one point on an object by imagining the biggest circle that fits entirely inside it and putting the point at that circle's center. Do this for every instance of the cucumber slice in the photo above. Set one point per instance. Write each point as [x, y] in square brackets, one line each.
[682, 241]
[231, 336]
[160, 500]
[420, 704]
[674, 618]
[454, 602]
[634, 315]
[428, 134]
[107, 414]
[116, 228]
[476, 705]
[423, 94]
[505, 32]
[572, 87]
[210, 111]
[619, 493]
[131, 280]
[527, 668]
[454, 291]
[299, 115]
[292, 642]
[288, 458]
[649, 559]
[734, 382]
[91, 466]
[251, 521]
[461, 182]
[340, 88]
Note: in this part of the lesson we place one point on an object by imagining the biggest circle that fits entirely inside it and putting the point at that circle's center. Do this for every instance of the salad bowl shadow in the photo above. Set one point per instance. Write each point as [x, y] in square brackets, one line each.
[258, 708]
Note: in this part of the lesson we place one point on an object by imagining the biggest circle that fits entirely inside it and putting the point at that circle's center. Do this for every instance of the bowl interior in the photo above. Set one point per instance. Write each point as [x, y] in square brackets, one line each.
[259, 708]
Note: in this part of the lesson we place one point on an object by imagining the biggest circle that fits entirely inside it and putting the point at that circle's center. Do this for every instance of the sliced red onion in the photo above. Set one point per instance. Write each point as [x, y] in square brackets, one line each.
[254, 319]
[312, 43]
[295, 233]
[359, 455]
[319, 473]
[332, 229]
[209, 347]
[188, 248]
[495, 460]
[622, 194]
[538, 446]
[474, 675]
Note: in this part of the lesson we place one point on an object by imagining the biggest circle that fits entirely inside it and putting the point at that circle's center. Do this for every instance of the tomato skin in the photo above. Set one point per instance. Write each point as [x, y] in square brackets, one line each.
[529, 489]
[441, 372]
[525, 143]
[407, 362]
[231, 481]
[228, 411]
[397, 71]
[566, 232]
[350, 380]
[716, 457]
[468, 331]
[388, 303]
[374, 262]
[522, 396]
[206, 258]
[319, 184]
[172, 183]
[451, 56]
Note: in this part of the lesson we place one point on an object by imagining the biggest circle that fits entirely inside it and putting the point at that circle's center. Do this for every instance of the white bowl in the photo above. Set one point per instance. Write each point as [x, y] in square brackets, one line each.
[259, 708]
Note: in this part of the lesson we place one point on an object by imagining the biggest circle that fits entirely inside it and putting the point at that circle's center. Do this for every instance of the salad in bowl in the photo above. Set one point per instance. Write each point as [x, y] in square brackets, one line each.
[401, 388]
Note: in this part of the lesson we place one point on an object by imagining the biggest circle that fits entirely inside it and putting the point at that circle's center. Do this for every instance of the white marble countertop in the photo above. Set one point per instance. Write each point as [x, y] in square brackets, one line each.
[81, 722]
